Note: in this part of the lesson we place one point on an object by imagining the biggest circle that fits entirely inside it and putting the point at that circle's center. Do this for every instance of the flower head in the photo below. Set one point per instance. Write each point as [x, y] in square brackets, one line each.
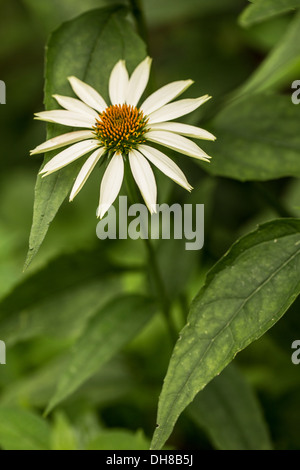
[123, 130]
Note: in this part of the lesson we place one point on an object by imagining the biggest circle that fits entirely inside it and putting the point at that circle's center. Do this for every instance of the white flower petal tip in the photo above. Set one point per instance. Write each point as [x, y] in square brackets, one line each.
[85, 172]
[75, 105]
[66, 118]
[184, 129]
[44, 174]
[178, 143]
[68, 155]
[101, 211]
[73, 80]
[177, 109]
[62, 141]
[153, 209]
[111, 183]
[165, 165]
[144, 178]
[148, 61]
[164, 95]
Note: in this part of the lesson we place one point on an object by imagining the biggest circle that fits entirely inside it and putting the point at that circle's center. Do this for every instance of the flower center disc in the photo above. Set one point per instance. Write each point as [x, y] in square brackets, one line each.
[121, 127]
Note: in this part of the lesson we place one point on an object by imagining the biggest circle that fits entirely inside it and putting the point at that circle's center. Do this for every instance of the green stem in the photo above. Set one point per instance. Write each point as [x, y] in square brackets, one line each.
[137, 11]
[154, 267]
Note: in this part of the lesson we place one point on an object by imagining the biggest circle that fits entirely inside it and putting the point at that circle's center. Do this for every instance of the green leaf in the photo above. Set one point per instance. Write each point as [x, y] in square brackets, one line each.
[257, 139]
[281, 66]
[86, 47]
[48, 16]
[22, 430]
[109, 330]
[244, 295]
[227, 409]
[57, 299]
[262, 10]
[112, 382]
[119, 439]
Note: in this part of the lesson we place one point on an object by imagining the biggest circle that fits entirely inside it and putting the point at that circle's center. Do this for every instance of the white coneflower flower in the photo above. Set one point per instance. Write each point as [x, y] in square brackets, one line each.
[124, 130]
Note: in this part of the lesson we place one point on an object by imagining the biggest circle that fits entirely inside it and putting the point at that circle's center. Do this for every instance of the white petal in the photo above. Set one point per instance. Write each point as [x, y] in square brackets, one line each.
[111, 184]
[74, 105]
[177, 109]
[69, 155]
[184, 129]
[87, 94]
[164, 95]
[85, 171]
[62, 141]
[144, 178]
[138, 82]
[178, 143]
[118, 83]
[67, 118]
[166, 165]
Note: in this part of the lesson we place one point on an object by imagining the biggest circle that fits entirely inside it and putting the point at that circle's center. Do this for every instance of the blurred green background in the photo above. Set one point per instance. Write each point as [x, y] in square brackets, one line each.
[220, 55]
